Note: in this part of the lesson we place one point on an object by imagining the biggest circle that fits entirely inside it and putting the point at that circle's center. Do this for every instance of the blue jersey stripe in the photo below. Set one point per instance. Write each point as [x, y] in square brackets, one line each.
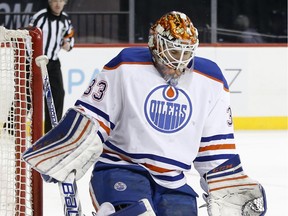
[115, 159]
[240, 169]
[100, 136]
[210, 68]
[217, 137]
[143, 55]
[213, 157]
[170, 178]
[131, 54]
[96, 111]
[149, 156]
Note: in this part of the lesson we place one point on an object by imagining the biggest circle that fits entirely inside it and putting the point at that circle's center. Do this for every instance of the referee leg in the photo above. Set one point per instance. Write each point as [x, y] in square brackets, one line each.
[58, 93]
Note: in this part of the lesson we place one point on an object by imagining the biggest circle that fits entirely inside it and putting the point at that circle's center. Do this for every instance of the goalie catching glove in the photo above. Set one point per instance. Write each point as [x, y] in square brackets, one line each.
[232, 193]
[73, 145]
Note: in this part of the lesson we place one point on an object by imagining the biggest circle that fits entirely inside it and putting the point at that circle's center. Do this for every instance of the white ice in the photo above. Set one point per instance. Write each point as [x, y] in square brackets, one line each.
[264, 156]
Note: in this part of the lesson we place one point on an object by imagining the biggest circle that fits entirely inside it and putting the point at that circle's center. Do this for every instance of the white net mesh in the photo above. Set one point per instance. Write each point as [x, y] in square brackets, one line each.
[15, 109]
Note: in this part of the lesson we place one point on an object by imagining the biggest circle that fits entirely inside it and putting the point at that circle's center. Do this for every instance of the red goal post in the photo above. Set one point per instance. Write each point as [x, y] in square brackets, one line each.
[21, 120]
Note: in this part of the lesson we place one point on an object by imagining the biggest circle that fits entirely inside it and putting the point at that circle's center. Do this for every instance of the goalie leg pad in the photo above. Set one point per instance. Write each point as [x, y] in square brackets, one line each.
[231, 192]
[73, 145]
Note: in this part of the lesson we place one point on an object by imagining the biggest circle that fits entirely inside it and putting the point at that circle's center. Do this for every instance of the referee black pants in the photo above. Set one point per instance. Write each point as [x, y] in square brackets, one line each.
[57, 88]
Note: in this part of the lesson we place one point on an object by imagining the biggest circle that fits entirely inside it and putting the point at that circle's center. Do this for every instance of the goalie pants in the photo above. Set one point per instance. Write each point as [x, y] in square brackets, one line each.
[58, 93]
[122, 186]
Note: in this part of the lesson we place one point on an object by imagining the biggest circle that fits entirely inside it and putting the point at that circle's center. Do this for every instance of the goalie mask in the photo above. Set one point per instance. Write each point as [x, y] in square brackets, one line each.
[172, 41]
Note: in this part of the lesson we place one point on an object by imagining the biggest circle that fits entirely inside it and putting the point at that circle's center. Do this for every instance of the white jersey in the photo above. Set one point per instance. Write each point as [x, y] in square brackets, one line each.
[164, 129]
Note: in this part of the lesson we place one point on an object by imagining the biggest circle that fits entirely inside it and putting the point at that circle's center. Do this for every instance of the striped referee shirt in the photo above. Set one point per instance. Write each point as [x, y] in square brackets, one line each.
[55, 30]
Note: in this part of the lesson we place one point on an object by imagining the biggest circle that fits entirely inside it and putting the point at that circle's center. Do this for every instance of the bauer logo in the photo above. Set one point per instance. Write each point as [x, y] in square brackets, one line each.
[167, 109]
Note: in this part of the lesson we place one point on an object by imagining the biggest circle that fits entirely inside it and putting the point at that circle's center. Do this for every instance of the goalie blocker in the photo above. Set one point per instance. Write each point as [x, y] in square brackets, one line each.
[231, 192]
[73, 145]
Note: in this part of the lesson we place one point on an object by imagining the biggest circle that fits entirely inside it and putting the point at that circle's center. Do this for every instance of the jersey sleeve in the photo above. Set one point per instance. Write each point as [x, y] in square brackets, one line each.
[69, 34]
[37, 18]
[102, 100]
[217, 140]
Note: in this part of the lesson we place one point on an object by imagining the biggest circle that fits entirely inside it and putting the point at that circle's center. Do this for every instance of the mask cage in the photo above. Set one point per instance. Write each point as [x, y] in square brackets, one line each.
[167, 49]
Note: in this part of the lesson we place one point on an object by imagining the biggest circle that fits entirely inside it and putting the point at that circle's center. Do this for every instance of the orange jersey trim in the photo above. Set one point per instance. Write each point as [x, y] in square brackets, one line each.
[228, 179]
[128, 63]
[70, 35]
[217, 147]
[102, 125]
[149, 166]
[238, 185]
[213, 78]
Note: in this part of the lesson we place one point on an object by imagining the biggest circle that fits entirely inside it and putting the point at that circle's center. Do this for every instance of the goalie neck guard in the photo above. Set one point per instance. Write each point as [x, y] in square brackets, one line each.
[172, 41]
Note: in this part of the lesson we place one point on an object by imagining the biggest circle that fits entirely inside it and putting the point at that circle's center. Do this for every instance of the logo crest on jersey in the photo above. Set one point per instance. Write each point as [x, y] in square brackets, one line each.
[167, 109]
[120, 186]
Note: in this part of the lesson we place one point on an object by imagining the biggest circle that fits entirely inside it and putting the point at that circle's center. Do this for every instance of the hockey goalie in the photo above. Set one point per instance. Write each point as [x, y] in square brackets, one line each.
[149, 116]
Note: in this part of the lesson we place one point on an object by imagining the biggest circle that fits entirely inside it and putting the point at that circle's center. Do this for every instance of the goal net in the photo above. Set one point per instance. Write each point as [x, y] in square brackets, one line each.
[21, 114]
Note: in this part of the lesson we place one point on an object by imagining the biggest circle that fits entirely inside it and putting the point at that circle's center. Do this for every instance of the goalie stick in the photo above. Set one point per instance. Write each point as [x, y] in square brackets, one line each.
[68, 188]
